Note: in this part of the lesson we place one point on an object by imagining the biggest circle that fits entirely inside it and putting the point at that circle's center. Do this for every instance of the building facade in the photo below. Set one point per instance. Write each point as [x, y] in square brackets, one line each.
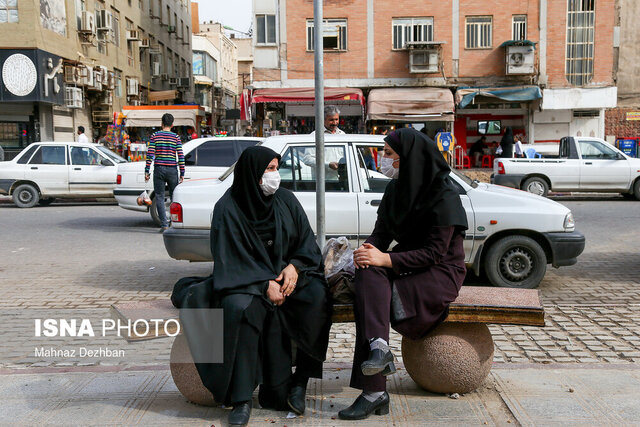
[69, 63]
[206, 78]
[624, 121]
[543, 67]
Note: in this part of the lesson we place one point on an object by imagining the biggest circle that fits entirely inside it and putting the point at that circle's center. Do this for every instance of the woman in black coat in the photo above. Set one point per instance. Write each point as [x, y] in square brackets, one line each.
[411, 286]
[268, 278]
[507, 142]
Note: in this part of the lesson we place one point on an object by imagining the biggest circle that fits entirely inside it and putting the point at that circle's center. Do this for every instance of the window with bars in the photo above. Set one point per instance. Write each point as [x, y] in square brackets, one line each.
[406, 30]
[8, 11]
[334, 34]
[479, 32]
[266, 29]
[580, 41]
[519, 26]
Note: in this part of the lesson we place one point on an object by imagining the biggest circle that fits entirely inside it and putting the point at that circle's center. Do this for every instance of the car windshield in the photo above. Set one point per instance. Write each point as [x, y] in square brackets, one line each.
[229, 171]
[472, 182]
[110, 154]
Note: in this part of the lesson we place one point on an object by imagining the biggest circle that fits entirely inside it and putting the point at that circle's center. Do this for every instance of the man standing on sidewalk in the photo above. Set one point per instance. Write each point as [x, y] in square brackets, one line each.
[81, 136]
[163, 147]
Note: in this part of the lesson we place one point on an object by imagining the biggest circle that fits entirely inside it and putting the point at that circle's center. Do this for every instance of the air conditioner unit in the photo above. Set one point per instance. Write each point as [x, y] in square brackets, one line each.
[155, 69]
[107, 98]
[520, 60]
[173, 81]
[135, 102]
[171, 28]
[105, 20]
[73, 97]
[144, 44]
[88, 22]
[423, 61]
[111, 80]
[96, 83]
[88, 79]
[164, 76]
[132, 87]
[133, 35]
[184, 82]
[71, 74]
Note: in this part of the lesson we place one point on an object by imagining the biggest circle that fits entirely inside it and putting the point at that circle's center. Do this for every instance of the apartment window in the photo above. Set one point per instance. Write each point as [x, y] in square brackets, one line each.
[168, 16]
[142, 53]
[8, 11]
[266, 28]
[130, 59]
[580, 40]
[479, 32]
[519, 27]
[176, 64]
[80, 6]
[334, 34]
[140, 5]
[118, 82]
[116, 27]
[406, 30]
[169, 69]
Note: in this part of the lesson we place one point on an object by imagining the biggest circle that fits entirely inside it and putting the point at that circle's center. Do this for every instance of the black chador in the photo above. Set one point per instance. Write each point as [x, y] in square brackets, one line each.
[253, 238]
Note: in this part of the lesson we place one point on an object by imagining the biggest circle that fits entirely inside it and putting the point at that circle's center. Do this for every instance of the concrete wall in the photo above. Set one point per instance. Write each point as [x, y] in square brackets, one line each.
[628, 67]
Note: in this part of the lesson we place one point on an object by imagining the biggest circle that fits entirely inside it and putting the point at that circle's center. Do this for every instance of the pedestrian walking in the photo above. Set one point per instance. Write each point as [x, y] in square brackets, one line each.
[164, 147]
[518, 146]
[81, 136]
[506, 143]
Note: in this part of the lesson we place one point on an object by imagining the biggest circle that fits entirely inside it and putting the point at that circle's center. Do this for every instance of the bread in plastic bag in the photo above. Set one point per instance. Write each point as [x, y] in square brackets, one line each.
[338, 256]
[144, 199]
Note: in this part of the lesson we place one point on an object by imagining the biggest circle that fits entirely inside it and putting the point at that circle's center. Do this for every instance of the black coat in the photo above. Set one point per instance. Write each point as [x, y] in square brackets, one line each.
[242, 268]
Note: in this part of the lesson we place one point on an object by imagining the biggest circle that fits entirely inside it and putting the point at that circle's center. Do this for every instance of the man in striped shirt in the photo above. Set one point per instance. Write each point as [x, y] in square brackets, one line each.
[162, 151]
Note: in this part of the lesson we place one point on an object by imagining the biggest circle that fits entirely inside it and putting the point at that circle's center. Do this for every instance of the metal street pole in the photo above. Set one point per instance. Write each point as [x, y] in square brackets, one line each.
[319, 80]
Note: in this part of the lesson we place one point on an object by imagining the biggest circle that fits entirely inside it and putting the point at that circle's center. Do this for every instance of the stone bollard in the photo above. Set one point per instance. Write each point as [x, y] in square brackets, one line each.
[185, 375]
[453, 358]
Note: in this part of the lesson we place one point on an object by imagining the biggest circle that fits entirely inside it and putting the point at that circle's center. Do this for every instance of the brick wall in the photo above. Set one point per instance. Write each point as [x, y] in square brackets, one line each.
[615, 123]
[556, 45]
[491, 62]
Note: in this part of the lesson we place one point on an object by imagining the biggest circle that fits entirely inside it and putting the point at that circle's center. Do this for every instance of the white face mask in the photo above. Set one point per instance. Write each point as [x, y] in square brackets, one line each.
[386, 167]
[270, 183]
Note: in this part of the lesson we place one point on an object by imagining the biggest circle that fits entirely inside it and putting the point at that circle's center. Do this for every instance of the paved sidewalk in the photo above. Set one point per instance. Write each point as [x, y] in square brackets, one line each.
[527, 395]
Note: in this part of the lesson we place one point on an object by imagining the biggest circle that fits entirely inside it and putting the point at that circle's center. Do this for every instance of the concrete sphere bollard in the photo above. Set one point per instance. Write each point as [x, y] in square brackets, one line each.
[185, 375]
[453, 358]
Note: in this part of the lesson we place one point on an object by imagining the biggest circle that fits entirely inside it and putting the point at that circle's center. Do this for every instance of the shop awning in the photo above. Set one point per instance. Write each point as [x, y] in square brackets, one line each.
[307, 94]
[151, 115]
[162, 95]
[202, 80]
[410, 104]
[464, 96]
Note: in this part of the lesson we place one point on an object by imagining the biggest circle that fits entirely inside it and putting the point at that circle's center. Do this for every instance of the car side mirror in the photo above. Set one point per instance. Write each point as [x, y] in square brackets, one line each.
[106, 162]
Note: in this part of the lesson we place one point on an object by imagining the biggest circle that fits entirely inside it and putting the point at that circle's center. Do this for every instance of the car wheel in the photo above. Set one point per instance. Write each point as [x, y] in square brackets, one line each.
[153, 210]
[515, 262]
[636, 189]
[26, 196]
[46, 202]
[536, 185]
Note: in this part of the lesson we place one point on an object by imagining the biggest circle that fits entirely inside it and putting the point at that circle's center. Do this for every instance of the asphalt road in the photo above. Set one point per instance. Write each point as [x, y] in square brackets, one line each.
[89, 256]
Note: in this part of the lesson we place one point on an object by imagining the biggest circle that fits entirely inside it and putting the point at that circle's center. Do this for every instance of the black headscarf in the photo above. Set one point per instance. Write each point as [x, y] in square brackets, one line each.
[423, 195]
[245, 190]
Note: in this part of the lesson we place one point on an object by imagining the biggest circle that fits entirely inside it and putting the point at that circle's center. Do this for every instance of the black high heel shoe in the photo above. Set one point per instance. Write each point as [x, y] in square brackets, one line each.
[379, 362]
[362, 408]
[240, 414]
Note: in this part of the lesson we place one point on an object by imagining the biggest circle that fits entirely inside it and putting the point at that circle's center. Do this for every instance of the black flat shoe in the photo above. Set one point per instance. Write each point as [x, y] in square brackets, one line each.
[362, 408]
[240, 414]
[296, 399]
[379, 362]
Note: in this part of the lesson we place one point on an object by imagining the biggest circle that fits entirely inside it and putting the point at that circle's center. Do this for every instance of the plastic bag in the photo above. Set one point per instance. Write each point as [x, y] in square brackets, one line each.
[338, 256]
[499, 150]
[144, 199]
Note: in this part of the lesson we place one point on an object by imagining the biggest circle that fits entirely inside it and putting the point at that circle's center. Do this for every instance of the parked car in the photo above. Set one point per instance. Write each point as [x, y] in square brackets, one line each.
[512, 235]
[204, 158]
[44, 171]
[579, 164]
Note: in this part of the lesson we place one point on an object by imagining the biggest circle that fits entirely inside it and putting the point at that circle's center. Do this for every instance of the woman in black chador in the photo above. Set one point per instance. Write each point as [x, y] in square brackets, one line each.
[411, 286]
[507, 142]
[268, 278]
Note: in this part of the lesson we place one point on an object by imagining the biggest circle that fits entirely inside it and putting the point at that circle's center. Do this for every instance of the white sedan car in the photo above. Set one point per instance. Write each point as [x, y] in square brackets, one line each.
[204, 158]
[47, 170]
[512, 234]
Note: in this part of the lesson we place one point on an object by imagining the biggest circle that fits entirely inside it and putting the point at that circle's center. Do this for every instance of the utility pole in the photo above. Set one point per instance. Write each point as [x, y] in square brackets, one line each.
[319, 80]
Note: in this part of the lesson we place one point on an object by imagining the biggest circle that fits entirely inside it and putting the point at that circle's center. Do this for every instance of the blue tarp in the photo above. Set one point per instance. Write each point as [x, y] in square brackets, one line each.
[464, 96]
